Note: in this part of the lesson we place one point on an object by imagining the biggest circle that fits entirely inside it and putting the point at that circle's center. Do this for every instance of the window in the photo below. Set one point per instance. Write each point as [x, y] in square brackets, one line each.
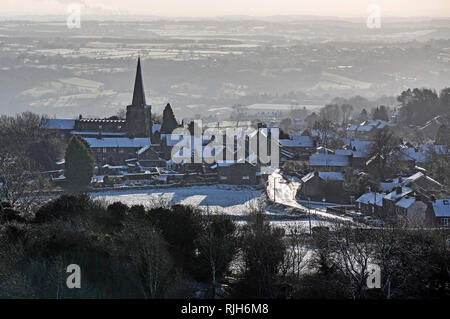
[223, 178]
[245, 177]
[104, 150]
[444, 221]
[445, 201]
[121, 151]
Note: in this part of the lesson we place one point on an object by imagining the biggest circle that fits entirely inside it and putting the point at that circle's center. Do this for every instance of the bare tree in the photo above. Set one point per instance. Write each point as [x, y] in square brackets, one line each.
[217, 245]
[294, 261]
[20, 183]
[326, 130]
[150, 257]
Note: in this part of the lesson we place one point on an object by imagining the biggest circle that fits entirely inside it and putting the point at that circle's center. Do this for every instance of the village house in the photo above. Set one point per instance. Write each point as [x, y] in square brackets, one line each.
[359, 151]
[389, 201]
[438, 213]
[412, 210]
[297, 147]
[418, 182]
[371, 203]
[116, 150]
[319, 185]
[236, 173]
[329, 162]
[422, 183]
[367, 129]
[148, 156]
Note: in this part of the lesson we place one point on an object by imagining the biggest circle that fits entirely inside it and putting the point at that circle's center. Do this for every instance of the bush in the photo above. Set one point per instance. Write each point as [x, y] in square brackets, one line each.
[67, 208]
[79, 165]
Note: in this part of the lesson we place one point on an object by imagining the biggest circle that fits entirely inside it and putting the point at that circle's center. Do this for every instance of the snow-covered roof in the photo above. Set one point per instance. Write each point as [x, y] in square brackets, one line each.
[108, 142]
[332, 176]
[388, 186]
[326, 176]
[419, 175]
[297, 141]
[329, 160]
[365, 128]
[395, 196]
[230, 163]
[343, 152]
[58, 124]
[441, 207]
[97, 133]
[371, 198]
[405, 202]
[369, 125]
[413, 153]
[156, 128]
[142, 150]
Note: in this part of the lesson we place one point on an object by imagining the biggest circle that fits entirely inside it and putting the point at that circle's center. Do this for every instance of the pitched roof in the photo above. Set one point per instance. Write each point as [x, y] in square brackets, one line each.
[58, 124]
[406, 202]
[297, 141]
[396, 196]
[441, 207]
[329, 160]
[123, 142]
[371, 198]
[326, 176]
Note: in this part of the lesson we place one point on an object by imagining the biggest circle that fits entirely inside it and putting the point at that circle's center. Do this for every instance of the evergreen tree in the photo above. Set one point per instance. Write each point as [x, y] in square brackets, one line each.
[380, 113]
[363, 116]
[169, 121]
[79, 166]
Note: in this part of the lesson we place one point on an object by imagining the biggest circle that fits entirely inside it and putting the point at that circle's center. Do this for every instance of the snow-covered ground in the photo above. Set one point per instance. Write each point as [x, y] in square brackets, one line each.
[283, 192]
[225, 199]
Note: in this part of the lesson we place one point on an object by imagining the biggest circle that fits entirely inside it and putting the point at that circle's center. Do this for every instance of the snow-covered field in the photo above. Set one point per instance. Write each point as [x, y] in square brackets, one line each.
[225, 199]
[230, 200]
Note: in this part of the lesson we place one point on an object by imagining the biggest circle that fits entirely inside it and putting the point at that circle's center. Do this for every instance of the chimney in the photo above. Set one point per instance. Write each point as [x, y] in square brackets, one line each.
[398, 190]
[316, 173]
[400, 179]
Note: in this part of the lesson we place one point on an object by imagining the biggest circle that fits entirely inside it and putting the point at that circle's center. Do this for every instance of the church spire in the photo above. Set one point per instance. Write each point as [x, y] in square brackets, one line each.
[139, 94]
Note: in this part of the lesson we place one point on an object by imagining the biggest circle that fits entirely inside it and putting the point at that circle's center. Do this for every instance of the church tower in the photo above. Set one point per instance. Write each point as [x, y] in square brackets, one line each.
[139, 114]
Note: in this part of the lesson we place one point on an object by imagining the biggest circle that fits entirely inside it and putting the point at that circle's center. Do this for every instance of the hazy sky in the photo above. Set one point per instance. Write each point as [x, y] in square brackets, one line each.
[345, 8]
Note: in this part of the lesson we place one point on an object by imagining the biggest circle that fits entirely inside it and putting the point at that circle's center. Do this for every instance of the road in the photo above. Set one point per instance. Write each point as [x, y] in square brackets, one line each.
[281, 191]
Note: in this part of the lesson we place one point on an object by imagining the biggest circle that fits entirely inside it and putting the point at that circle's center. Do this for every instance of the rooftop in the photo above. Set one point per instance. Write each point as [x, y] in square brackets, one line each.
[123, 142]
[371, 198]
[441, 207]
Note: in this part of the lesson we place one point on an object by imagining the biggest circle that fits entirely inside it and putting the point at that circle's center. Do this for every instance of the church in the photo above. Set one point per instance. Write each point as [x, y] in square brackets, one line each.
[115, 141]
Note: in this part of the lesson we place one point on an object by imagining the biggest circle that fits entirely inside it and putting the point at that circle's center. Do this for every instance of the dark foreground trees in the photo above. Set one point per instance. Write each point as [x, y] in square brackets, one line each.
[172, 252]
[262, 251]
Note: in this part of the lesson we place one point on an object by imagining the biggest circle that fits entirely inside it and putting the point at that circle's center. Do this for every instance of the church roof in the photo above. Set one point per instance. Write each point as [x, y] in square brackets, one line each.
[138, 93]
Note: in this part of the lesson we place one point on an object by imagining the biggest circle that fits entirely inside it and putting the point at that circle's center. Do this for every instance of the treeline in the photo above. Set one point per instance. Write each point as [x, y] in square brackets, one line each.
[183, 252]
[23, 136]
[26, 149]
[418, 106]
[421, 105]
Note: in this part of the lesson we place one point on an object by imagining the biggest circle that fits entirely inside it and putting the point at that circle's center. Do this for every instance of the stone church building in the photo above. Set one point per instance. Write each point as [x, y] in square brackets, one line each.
[114, 141]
